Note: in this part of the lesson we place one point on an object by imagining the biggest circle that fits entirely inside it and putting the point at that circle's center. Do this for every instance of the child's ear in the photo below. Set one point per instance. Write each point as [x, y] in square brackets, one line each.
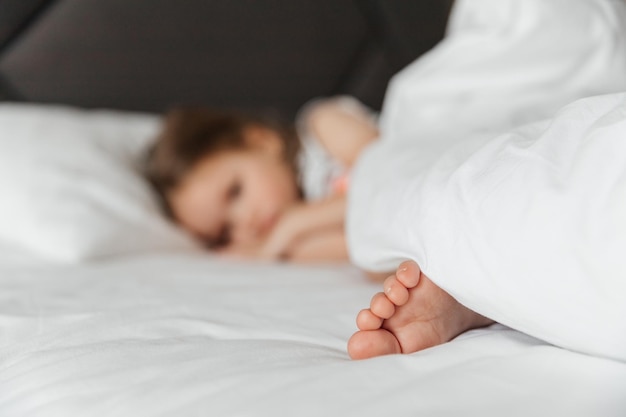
[264, 139]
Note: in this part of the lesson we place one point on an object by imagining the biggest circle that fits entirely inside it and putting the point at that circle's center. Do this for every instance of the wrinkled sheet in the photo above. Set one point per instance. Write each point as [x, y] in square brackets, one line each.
[192, 335]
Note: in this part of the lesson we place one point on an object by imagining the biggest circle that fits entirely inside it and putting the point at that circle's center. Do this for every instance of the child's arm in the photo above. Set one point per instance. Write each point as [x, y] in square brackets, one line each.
[314, 231]
[326, 245]
[293, 227]
[343, 127]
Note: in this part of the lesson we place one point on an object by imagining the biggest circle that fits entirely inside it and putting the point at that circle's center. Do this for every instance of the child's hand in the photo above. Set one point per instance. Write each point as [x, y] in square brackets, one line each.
[294, 225]
[300, 221]
[277, 242]
[285, 233]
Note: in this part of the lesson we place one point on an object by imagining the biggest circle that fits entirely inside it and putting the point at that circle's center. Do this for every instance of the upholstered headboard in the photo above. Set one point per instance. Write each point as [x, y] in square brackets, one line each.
[149, 54]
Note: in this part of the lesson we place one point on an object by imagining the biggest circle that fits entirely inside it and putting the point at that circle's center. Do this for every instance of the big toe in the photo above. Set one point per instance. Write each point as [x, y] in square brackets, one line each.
[370, 343]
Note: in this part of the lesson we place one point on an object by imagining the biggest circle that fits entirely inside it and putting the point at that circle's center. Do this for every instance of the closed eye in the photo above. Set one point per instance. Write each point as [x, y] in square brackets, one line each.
[224, 236]
[234, 190]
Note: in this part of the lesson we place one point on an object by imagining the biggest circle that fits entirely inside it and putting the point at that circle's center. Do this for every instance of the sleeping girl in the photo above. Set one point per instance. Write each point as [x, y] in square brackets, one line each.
[249, 186]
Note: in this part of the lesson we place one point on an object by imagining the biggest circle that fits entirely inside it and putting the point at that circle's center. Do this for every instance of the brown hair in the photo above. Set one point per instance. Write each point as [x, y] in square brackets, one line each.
[190, 134]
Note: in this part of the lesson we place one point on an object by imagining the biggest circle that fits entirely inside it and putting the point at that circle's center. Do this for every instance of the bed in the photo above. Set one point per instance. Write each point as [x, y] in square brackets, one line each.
[107, 309]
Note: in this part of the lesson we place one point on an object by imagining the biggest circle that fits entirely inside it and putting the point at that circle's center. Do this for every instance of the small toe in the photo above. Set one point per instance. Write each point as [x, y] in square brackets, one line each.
[408, 273]
[382, 306]
[395, 291]
[366, 320]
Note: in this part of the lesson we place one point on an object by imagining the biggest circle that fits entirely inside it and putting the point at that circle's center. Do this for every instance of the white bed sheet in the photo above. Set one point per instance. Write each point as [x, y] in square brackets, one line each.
[192, 335]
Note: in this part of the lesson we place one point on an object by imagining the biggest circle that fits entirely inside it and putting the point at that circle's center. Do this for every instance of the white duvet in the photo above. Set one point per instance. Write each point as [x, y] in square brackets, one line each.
[524, 225]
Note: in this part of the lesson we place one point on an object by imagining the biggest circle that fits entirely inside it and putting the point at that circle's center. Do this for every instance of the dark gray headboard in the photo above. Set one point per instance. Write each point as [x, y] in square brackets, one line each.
[150, 54]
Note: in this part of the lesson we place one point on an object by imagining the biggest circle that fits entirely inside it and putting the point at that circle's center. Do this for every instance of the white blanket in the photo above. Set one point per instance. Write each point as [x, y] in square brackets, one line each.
[507, 62]
[528, 227]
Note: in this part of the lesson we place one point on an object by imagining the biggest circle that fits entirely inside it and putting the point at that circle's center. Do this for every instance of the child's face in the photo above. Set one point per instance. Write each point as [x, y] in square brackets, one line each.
[236, 196]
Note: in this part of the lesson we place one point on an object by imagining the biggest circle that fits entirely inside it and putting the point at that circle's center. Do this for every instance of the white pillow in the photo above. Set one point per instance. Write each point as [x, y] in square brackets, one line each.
[527, 228]
[71, 183]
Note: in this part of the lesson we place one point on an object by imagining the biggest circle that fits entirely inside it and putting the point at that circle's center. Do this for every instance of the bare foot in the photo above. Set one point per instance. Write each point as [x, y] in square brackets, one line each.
[410, 315]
